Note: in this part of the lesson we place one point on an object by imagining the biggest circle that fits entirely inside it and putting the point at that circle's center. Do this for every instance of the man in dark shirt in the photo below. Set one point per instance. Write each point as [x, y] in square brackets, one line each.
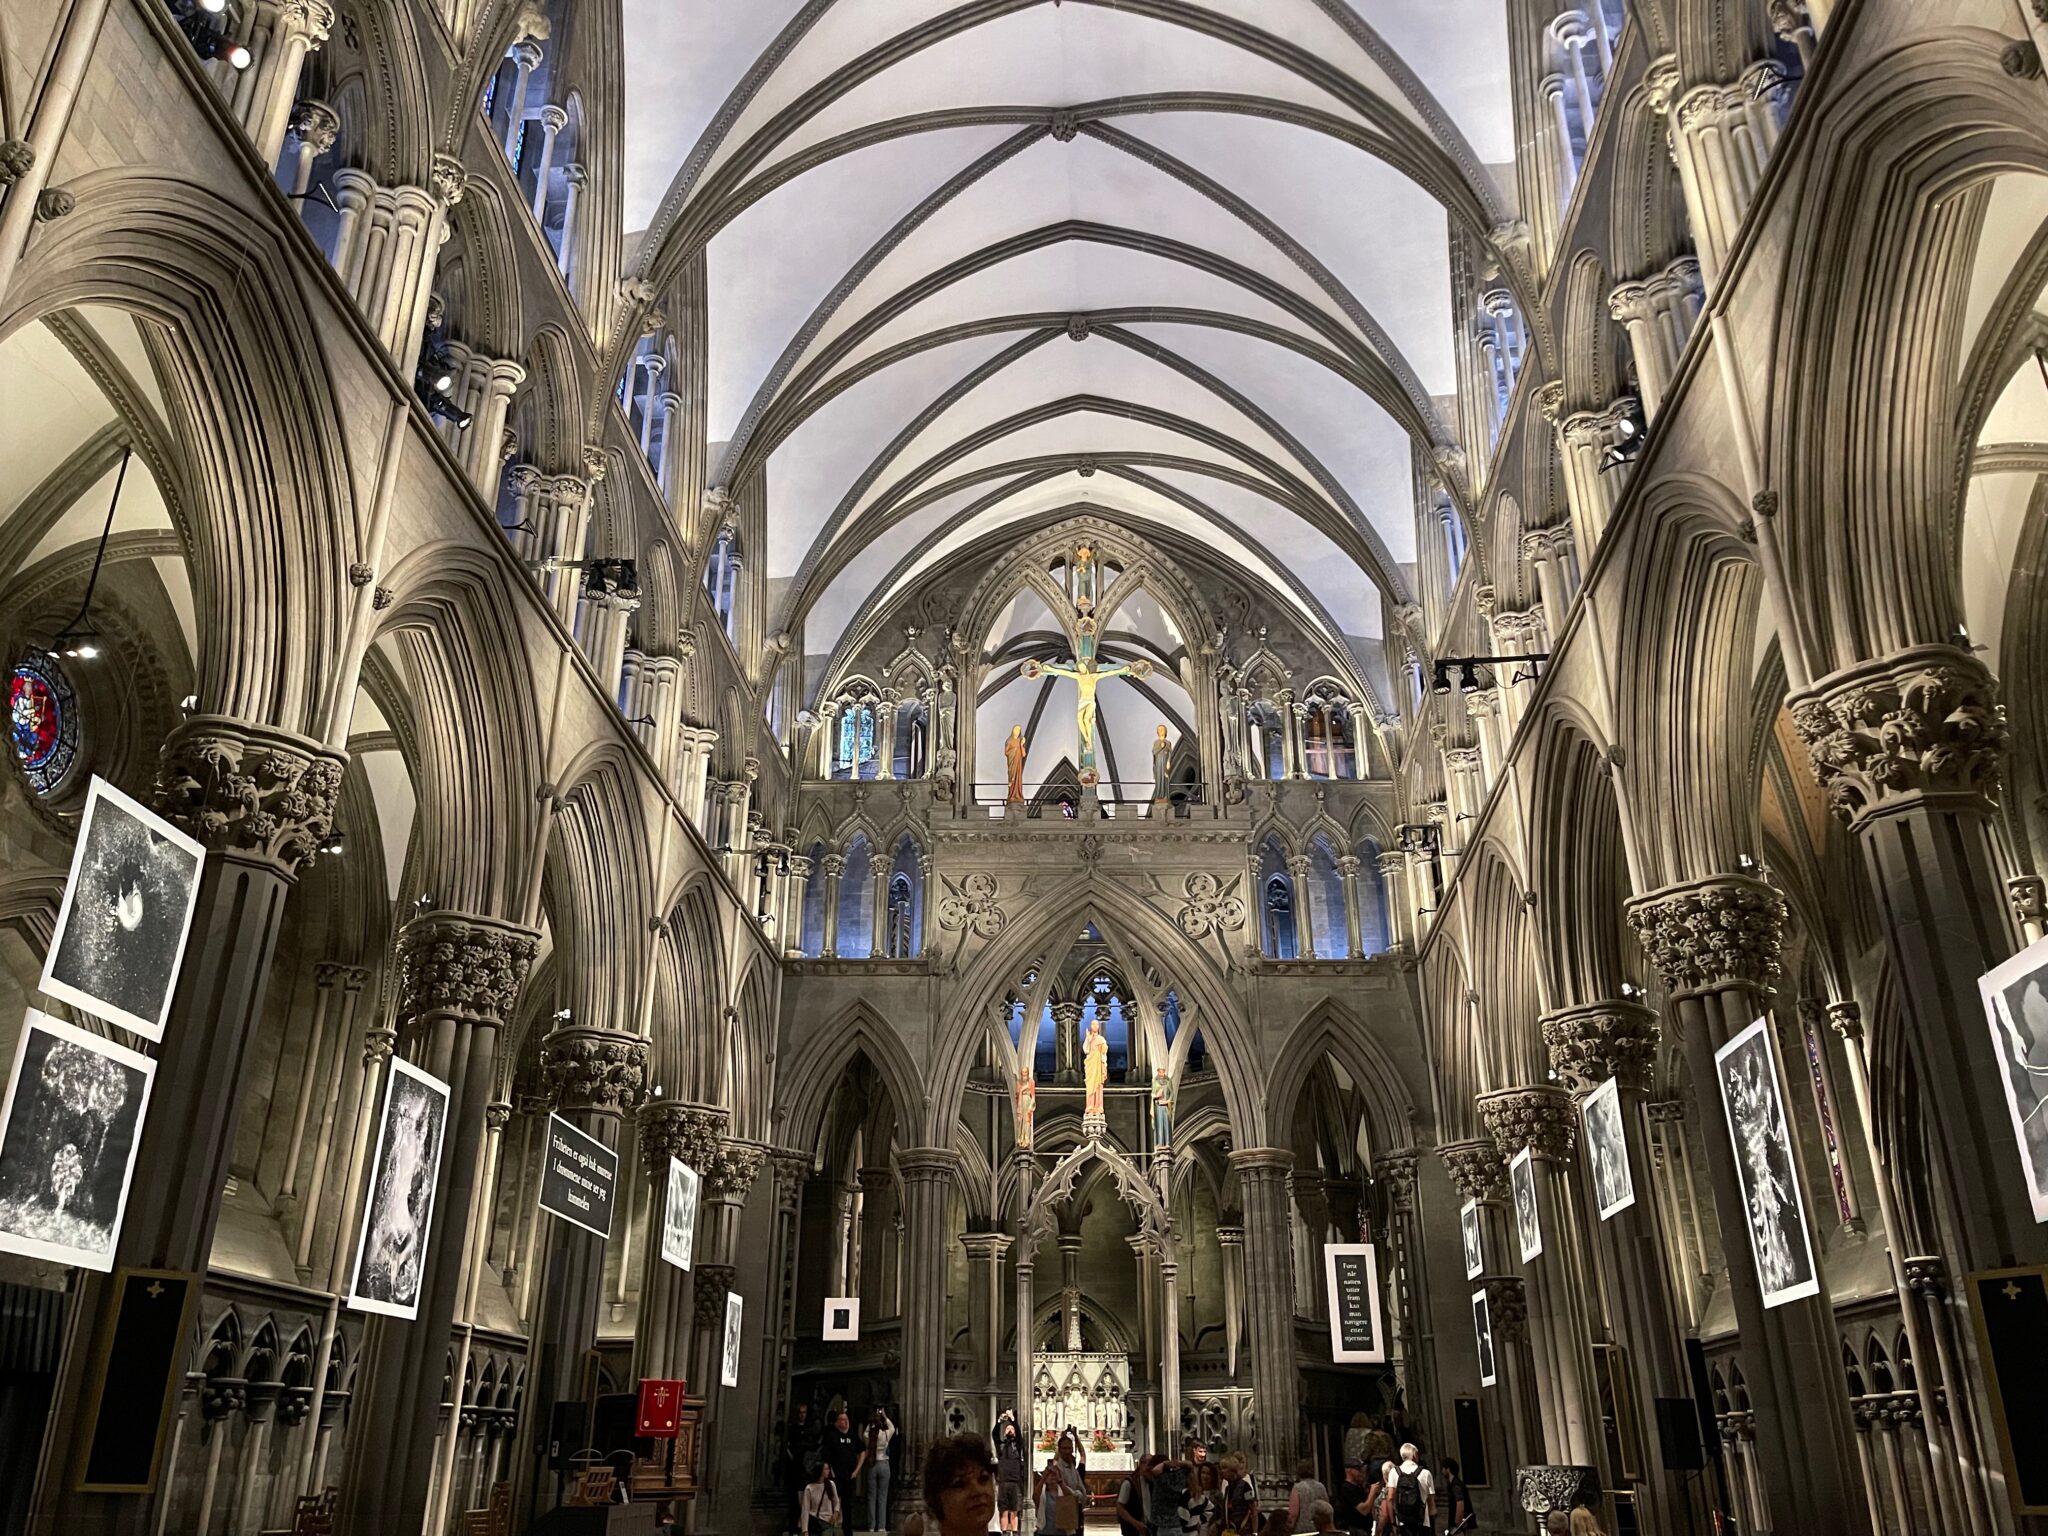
[1354, 1498]
[843, 1449]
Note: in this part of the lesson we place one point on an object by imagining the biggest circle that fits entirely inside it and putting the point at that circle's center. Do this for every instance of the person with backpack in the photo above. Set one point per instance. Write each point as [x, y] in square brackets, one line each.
[1413, 1501]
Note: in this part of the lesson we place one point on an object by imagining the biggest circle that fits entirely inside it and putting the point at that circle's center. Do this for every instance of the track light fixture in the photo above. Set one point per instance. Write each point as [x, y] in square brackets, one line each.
[1630, 433]
[209, 26]
[334, 843]
[1469, 681]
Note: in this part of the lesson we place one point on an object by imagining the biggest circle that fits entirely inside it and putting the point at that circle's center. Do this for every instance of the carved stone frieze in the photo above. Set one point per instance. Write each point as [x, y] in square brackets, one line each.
[250, 790]
[1476, 1169]
[1923, 725]
[1724, 931]
[971, 905]
[735, 1167]
[790, 1167]
[1591, 1044]
[587, 1068]
[1507, 1307]
[1539, 1118]
[455, 963]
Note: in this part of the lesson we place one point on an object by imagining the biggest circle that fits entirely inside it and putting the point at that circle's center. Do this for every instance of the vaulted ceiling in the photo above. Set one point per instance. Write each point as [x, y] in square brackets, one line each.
[970, 263]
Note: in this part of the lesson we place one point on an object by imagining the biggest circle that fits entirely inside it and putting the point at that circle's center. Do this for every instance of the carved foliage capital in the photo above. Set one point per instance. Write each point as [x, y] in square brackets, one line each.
[1591, 1044]
[730, 1178]
[1728, 930]
[1924, 723]
[249, 790]
[1475, 1168]
[1539, 1118]
[587, 1068]
[454, 963]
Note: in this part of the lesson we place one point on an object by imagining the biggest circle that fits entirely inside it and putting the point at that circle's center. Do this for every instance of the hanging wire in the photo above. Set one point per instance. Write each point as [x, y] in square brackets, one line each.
[99, 555]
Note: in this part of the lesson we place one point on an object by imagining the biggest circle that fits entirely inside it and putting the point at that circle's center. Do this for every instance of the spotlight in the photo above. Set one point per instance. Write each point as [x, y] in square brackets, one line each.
[1629, 990]
[445, 382]
[562, 1015]
[189, 704]
[213, 7]
[1745, 863]
[332, 843]
[238, 56]
[1468, 678]
[1442, 681]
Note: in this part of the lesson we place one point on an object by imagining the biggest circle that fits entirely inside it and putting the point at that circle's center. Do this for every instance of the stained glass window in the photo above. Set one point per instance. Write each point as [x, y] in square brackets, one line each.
[43, 716]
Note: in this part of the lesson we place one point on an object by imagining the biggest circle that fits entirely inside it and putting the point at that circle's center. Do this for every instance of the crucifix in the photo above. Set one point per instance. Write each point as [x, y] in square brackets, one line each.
[1087, 673]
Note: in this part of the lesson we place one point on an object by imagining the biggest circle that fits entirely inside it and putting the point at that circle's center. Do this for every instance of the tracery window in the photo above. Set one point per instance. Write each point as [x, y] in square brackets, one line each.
[1281, 941]
[43, 717]
[855, 757]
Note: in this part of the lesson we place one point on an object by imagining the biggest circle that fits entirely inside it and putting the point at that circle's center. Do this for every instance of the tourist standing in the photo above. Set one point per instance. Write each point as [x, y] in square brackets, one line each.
[1012, 1471]
[1357, 1499]
[1061, 1494]
[841, 1449]
[1307, 1489]
[1456, 1496]
[1134, 1497]
[1240, 1499]
[819, 1508]
[880, 1433]
[1413, 1496]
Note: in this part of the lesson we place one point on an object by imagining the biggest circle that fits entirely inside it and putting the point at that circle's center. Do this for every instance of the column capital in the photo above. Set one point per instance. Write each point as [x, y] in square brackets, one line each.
[311, 19]
[687, 1132]
[1540, 1118]
[315, 124]
[730, 1178]
[450, 179]
[1592, 1043]
[1475, 1168]
[986, 1245]
[2028, 895]
[251, 791]
[1262, 1164]
[1396, 1170]
[927, 1165]
[1723, 931]
[497, 1115]
[1847, 1019]
[553, 118]
[875, 1180]
[789, 1167]
[1920, 727]
[1550, 401]
[1667, 1112]
[1230, 1237]
[589, 1068]
[527, 53]
[462, 965]
[1348, 864]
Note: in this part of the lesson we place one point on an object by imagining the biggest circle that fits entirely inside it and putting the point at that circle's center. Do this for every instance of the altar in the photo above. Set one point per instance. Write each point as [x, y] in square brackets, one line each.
[1085, 1394]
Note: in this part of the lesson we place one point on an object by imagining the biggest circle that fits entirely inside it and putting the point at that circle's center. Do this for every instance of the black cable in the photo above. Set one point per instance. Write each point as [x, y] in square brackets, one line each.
[100, 554]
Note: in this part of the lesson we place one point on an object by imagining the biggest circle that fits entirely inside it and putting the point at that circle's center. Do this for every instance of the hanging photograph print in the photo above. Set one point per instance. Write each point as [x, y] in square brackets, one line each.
[127, 910]
[1353, 1276]
[1772, 1206]
[679, 1220]
[1468, 1230]
[398, 1217]
[1614, 1189]
[1482, 1335]
[729, 1361]
[1528, 1225]
[68, 1136]
[2016, 1007]
[842, 1317]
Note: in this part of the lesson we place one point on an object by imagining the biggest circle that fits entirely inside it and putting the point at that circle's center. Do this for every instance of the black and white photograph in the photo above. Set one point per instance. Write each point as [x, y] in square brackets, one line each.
[68, 1137]
[679, 1221]
[1468, 1230]
[1482, 1334]
[729, 1361]
[1772, 1204]
[1614, 1189]
[398, 1217]
[842, 1317]
[126, 914]
[2016, 1007]
[1528, 1224]
[1352, 1275]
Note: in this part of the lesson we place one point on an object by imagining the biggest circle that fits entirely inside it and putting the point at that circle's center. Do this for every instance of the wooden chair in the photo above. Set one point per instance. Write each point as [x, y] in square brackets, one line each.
[313, 1515]
[593, 1487]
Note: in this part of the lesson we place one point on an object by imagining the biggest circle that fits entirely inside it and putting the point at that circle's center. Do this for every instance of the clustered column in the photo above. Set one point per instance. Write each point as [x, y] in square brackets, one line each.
[928, 1176]
[1480, 1176]
[687, 1133]
[1262, 1174]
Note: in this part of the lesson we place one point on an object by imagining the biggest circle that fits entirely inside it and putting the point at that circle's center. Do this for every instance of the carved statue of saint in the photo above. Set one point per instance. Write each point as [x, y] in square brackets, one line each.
[1162, 1107]
[1015, 750]
[1094, 1067]
[1162, 765]
[1084, 579]
[1027, 1105]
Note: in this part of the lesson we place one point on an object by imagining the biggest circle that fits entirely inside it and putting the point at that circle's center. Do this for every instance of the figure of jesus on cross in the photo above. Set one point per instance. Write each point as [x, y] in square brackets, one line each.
[1087, 674]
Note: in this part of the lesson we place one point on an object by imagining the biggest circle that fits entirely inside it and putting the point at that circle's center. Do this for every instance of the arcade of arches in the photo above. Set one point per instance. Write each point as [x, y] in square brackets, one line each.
[1062, 655]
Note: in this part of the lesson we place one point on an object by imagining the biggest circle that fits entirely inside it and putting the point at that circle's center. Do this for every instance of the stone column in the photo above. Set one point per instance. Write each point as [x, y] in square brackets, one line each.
[327, 975]
[1070, 1289]
[1408, 1309]
[332, 1081]
[728, 1185]
[526, 56]
[1169, 1344]
[877, 1236]
[1269, 1261]
[483, 439]
[1393, 872]
[928, 1174]
[790, 1168]
[1354, 924]
[552, 121]
[1026, 1305]
[1230, 1239]
[1909, 751]
[1301, 868]
[296, 28]
[1659, 312]
[574, 179]
[1542, 1120]
[1722, 137]
[1593, 488]
[1466, 789]
[386, 246]
[985, 1252]
[689, 1133]
[460, 976]
[1716, 942]
[1479, 1175]
[1588, 1045]
[595, 1077]
[313, 128]
[834, 865]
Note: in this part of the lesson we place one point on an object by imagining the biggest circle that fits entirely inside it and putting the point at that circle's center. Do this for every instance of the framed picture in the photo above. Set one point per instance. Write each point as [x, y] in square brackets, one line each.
[679, 1220]
[1482, 1335]
[1774, 1210]
[1468, 1230]
[729, 1361]
[2016, 1007]
[127, 911]
[398, 1216]
[842, 1318]
[69, 1132]
[1528, 1224]
[1614, 1188]
[1353, 1276]
[579, 1178]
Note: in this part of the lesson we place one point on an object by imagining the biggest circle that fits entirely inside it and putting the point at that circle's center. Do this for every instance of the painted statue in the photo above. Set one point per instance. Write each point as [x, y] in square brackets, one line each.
[1027, 1105]
[1087, 674]
[1015, 750]
[1084, 579]
[1162, 1107]
[1094, 1067]
[1162, 765]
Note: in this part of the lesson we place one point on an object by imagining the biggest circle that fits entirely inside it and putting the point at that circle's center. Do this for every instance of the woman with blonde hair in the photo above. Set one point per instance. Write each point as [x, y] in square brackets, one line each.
[1585, 1524]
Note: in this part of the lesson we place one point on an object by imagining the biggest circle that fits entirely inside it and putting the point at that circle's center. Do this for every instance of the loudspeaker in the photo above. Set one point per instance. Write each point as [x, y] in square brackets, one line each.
[568, 1433]
[1703, 1399]
[612, 1430]
[1678, 1435]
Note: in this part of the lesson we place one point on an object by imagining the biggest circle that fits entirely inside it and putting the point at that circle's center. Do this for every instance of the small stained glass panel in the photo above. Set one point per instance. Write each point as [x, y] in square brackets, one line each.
[43, 719]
